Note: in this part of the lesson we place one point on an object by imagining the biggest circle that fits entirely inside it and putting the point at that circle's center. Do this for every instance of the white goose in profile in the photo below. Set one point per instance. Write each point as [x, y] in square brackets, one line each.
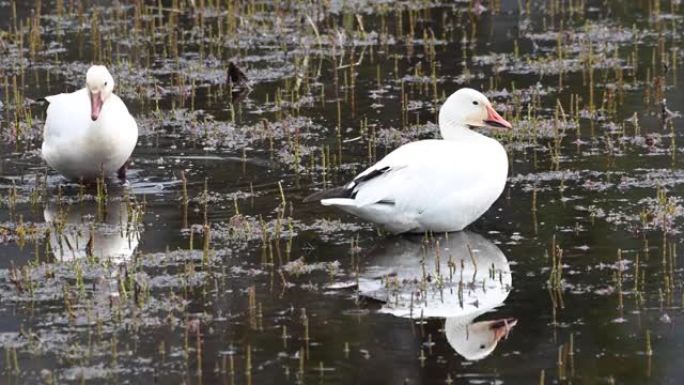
[89, 133]
[432, 185]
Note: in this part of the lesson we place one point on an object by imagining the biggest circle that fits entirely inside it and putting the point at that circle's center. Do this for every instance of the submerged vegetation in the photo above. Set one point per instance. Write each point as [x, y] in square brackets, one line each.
[208, 268]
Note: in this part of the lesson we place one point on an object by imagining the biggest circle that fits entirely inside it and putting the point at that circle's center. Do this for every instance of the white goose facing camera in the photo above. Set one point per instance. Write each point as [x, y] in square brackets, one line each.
[89, 132]
[432, 185]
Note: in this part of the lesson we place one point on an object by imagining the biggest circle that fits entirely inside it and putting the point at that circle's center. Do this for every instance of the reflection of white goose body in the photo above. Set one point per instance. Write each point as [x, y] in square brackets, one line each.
[89, 132]
[114, 238]
[437, 278]
[432, 185]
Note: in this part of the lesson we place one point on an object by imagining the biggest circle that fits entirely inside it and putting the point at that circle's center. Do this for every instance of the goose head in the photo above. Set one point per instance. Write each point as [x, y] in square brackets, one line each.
[465, 109]
[477, 340]
[100, 85]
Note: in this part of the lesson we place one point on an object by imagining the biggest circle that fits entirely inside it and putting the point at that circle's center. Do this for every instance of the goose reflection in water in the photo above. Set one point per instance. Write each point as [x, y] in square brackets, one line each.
[108, 231]
[456, 276]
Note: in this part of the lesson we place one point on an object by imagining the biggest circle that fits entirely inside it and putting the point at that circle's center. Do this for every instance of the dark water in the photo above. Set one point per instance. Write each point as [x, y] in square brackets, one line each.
[125, 289]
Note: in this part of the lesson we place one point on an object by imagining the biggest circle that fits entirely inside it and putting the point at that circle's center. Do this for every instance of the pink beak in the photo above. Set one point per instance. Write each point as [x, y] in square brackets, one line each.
[95, 106]
[503, 326]
[495, 120]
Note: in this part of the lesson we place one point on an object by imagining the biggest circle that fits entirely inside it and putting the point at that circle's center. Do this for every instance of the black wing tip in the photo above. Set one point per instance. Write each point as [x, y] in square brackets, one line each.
[335, 192]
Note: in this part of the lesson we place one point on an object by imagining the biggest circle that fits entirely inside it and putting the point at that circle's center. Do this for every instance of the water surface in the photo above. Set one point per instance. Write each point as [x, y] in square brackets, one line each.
[579, 278]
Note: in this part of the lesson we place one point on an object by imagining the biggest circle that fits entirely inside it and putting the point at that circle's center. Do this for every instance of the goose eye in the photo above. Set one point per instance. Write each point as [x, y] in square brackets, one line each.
[475, 102]
[482, 346]
[105, 84]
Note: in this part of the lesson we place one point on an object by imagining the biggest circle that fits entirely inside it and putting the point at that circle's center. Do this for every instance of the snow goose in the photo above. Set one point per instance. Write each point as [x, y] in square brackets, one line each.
[432, 185]
[89, 132]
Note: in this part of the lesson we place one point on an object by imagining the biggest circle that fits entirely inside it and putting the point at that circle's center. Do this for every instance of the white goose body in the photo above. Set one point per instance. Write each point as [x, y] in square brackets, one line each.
[432, 185]
[425, 189]
[83, 138]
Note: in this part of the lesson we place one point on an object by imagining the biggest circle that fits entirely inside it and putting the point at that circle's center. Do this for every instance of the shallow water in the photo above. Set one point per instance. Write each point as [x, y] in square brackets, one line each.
[575, 274]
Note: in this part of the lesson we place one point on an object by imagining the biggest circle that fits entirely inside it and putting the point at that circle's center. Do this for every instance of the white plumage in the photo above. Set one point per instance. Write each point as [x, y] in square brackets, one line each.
[433, 185]
[89, 132]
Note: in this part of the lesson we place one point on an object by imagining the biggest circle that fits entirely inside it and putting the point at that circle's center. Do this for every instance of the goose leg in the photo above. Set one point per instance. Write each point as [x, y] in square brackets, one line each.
[121, 174]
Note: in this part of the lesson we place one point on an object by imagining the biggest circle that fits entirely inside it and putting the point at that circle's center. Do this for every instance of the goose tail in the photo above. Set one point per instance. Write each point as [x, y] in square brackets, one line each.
[332, 194]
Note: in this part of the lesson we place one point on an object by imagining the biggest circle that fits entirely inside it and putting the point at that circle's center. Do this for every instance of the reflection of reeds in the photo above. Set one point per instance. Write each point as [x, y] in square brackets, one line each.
[618, 271]
[556, 272]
